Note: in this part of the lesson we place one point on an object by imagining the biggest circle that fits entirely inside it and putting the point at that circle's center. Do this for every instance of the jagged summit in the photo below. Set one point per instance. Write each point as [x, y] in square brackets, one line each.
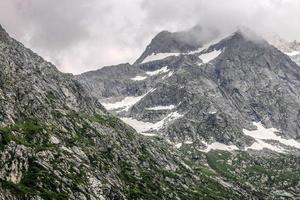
[249, 33]
[195, 40]
[178, 42]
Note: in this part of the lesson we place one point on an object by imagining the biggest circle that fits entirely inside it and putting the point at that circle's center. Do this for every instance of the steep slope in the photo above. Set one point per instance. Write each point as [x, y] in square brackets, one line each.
[58, 142]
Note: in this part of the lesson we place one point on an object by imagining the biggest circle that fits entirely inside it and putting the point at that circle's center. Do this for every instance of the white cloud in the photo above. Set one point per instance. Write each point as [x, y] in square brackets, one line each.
[80, 35]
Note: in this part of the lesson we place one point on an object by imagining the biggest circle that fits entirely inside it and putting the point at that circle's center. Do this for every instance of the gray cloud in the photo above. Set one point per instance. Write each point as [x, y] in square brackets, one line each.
[80, 35]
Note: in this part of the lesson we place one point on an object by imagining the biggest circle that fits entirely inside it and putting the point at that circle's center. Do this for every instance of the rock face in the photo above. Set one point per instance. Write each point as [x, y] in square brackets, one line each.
[58, 142]
[215, 93]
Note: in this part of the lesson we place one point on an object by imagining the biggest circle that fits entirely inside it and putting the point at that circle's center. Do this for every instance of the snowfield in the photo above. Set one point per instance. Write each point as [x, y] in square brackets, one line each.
[219, 146]
[293, 53]
[126, 103]
[207, 57]
[144, 127]
[262, 134]
[159, 71]
[138, 78]
[159, 56]
[170, 107]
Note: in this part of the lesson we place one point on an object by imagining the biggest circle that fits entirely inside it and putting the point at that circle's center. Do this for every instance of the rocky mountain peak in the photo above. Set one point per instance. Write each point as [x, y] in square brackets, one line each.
[245, 34]
[248, 33]
[178, 42]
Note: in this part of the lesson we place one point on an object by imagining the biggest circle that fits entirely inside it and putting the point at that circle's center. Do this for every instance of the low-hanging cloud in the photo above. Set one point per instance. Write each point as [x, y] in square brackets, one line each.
[80, 35]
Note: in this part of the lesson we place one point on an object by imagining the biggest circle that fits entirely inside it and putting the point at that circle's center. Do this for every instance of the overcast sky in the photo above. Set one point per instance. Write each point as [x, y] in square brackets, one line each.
[82, 35]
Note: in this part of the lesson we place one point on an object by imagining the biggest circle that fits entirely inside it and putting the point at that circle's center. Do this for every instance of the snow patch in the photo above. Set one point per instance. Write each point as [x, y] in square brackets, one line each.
[159, 56]
[197, 51]
[212, 111]
[260, 145]
[144, 127]
[126, 103]
[159, 71]
[293, 53]
[168, 75]
[140, 126]
[219, 146]
[138, 78]
[263, 133]
[188, 142]
[170, 107]
[149, 134]
[207, 57]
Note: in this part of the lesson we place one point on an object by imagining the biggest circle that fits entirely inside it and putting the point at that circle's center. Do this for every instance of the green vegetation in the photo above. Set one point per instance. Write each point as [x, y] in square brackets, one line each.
[36, 181]
[264, 173]
[144, 178]
[28, 132]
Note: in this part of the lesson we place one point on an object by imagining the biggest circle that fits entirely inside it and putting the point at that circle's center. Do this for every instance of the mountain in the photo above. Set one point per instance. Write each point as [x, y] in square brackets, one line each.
[231, 103]
[58, 142]
[216, 94]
